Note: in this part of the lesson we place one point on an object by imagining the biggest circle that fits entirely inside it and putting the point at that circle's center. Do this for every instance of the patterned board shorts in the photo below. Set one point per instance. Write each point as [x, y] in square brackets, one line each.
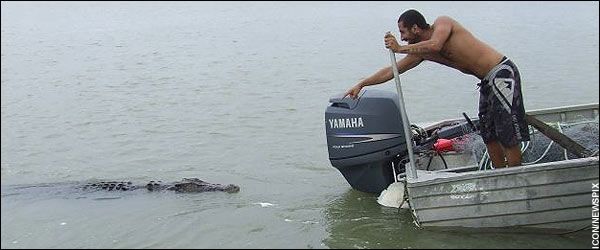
[501, 110]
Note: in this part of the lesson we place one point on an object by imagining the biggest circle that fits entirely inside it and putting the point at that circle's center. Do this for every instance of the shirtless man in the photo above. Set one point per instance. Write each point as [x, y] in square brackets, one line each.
[501, 111]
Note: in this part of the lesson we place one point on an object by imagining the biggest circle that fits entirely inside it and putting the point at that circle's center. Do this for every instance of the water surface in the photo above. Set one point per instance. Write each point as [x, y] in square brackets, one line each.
[235, 92]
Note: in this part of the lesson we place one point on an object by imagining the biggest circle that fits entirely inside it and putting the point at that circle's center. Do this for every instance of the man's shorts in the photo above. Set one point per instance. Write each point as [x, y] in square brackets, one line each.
[501, 110]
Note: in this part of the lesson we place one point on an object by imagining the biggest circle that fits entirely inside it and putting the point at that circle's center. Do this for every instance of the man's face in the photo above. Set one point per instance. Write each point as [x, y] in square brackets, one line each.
[406, 34]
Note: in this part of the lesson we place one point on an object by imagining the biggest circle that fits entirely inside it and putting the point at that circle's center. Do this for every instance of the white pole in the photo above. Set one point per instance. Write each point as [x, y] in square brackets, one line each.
[412, 170]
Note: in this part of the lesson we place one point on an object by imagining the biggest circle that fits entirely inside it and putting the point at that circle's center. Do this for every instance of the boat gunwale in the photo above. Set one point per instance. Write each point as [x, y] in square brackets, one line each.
[539, 167]
[542, 111]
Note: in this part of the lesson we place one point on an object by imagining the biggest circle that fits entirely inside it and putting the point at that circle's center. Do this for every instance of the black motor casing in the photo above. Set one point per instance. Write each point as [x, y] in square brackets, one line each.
[364, 135]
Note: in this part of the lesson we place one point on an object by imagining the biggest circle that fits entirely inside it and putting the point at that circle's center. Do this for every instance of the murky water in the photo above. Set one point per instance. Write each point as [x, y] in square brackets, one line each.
[235, 92]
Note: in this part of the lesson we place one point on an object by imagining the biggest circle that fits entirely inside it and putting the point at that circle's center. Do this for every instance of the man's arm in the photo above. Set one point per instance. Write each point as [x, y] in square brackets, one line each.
[385, 74]
[443, 28]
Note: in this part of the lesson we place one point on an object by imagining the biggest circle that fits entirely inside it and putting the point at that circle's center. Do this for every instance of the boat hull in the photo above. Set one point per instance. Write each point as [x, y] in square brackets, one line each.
[552, 196]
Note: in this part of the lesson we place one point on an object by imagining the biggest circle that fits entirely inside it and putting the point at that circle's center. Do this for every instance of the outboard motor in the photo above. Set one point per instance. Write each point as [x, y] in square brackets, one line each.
[364, 136]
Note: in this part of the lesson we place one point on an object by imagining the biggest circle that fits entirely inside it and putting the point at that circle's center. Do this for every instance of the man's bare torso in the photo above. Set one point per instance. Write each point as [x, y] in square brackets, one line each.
[466, 53]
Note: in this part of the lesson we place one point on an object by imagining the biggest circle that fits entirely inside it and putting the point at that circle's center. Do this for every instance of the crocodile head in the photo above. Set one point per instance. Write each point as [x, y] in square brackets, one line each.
[195, 185]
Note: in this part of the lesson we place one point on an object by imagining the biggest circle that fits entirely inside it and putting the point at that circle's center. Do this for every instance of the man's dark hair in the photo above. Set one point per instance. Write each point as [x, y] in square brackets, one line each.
[412, 17]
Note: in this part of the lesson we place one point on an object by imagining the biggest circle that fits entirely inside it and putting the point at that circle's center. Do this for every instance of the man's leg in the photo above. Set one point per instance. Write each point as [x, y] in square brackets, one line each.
[496, 152]
[511, 127]
[513, 155]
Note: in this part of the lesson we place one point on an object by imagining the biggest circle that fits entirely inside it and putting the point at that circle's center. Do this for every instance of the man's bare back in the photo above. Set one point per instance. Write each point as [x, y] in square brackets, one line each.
[465, 52]
[458, 48]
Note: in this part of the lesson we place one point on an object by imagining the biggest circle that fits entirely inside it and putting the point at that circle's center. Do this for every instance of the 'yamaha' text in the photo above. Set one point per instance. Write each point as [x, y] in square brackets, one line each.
[356, 122]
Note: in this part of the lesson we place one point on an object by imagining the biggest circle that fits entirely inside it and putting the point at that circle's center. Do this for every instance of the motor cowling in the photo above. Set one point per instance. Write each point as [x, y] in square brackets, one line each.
[364, 136]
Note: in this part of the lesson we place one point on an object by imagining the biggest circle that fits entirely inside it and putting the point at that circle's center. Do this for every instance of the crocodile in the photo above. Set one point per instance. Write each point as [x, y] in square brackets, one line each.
[186, 185]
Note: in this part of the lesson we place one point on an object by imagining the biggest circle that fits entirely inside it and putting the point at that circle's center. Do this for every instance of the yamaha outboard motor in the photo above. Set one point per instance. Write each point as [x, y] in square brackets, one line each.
[364, 136]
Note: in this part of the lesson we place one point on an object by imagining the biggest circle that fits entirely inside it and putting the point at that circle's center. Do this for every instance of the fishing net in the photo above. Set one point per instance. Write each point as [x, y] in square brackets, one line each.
[540, 148]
